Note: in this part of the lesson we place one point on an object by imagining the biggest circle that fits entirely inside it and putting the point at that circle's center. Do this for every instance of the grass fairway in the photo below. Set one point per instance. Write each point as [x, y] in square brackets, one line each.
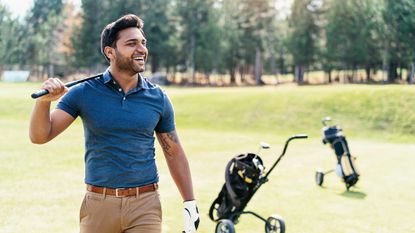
[41, 186]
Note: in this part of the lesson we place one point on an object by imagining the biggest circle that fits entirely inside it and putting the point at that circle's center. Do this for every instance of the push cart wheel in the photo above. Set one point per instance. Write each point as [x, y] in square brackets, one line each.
[319, 178]
[275, 224]
[225, 226]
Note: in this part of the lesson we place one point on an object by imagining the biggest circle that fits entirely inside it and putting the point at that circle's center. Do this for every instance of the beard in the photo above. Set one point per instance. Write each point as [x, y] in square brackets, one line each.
[127, 64]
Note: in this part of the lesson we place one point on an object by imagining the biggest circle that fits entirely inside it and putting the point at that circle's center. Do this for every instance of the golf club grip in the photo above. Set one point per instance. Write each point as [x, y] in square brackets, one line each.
[70, 84]
[39, 93]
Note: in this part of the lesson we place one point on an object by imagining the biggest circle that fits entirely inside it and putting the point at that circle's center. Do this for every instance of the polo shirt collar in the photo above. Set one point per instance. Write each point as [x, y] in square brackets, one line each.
[142, 82]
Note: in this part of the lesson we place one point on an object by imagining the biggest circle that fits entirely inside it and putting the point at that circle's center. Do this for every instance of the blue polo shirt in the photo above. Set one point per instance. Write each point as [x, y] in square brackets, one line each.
[119, 129]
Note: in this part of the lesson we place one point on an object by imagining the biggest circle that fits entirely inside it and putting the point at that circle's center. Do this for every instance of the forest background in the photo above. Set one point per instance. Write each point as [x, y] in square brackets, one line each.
[221, 42]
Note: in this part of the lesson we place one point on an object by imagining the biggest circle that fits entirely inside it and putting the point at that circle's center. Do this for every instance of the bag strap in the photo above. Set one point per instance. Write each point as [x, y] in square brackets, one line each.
[232, 193]
[218, 200]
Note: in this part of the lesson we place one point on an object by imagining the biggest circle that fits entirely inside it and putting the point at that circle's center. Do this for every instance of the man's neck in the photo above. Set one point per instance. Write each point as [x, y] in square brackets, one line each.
[125, 80]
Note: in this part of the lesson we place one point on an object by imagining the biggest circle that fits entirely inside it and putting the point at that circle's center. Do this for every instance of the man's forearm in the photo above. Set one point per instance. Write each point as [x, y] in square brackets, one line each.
[40, 123]
[177, 163]
[180, 172]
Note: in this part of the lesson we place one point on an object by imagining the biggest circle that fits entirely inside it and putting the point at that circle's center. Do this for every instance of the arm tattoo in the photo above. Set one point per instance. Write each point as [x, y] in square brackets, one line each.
[166, 140]
[173, 136]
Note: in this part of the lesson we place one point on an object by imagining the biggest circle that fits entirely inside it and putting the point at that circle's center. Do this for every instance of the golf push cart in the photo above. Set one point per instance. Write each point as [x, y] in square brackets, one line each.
[244, 175]
[345, 168]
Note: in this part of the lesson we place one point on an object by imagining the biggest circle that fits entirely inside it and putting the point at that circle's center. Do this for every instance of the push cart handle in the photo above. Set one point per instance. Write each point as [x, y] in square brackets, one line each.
[300, 136]
[297, 136]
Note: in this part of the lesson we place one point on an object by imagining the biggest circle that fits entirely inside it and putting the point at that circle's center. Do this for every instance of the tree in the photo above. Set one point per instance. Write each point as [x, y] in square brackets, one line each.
[158, 28]
[12, 41]
[44, 26]
[400, 37]
[230, 53]
[353, 35]
[276, 48]
[86, 40]
[160, 32]
[303, 38]
[247, 26]
[198, 29]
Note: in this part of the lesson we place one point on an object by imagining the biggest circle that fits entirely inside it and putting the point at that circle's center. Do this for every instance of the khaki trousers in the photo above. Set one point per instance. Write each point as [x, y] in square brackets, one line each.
[102, 213]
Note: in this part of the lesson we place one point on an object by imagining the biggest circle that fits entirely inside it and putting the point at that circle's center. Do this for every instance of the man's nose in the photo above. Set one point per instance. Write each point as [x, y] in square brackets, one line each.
[141, 48]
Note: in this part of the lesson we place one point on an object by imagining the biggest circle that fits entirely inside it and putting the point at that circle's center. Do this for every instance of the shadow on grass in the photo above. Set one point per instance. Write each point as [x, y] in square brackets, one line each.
[354, 194]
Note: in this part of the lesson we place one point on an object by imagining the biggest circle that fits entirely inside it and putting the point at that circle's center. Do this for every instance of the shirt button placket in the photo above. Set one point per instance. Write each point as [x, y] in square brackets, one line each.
[124, 102]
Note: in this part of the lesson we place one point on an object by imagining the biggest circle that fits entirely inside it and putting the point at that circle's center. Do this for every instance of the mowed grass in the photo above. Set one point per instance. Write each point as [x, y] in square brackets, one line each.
[41, 186]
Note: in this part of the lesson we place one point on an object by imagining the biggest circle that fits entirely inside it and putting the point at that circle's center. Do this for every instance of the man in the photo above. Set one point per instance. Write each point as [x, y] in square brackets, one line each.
[120, 111]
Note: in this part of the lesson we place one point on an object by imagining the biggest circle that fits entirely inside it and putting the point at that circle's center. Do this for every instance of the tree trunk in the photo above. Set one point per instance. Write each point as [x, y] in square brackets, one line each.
[207, 78]
[392, 72]
[44, 72]
[411, 74]
[241, 73]
[51, 70]
[154, 63]
[329, 75]
[191, 60]
[193, 51]
[233, 75]
[258, 67]
[273, 64]
[368, 78]
[400, 71]
[281, 63]
[299, 74]
[174, 74]
[353, 75]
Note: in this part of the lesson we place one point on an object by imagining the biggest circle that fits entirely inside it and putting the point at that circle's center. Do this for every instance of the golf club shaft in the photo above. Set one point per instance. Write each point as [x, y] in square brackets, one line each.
[70, 84]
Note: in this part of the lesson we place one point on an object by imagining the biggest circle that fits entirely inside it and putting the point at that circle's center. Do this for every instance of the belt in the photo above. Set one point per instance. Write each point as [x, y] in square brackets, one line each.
[122, 192]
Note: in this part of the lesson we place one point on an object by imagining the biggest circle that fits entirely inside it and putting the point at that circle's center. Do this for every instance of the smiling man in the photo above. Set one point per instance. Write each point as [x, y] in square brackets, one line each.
[121, 113]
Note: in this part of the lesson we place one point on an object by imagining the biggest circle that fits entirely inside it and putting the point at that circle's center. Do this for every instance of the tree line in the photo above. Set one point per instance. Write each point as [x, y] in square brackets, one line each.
[242, 39]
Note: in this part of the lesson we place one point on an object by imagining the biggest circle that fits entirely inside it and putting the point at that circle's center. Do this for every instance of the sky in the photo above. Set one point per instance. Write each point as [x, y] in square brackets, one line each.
[20, 7]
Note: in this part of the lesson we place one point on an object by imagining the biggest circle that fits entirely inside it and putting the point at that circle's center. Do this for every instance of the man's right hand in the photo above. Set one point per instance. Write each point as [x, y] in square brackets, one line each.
[56, 89]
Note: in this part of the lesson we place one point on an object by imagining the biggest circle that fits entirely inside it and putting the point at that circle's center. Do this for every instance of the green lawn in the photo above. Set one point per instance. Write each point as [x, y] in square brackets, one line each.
[41, 186]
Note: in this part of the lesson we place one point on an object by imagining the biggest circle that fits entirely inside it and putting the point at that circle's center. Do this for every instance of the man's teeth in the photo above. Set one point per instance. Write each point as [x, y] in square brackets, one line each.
[138, 58]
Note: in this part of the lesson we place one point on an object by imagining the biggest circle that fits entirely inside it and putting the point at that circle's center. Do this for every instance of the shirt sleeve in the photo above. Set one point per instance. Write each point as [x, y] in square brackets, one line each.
[166, 122]
[70, 102]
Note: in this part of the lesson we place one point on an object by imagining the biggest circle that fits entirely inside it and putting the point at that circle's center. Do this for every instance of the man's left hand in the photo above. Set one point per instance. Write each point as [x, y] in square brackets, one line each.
[191, 217]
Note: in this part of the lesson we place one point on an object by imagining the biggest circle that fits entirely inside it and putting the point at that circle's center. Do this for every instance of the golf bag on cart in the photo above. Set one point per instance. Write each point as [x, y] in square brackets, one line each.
[346, 165]
[244, 175]
[241, 176]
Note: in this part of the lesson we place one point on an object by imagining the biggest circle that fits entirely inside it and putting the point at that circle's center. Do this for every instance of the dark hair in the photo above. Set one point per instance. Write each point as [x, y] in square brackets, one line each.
[109, 35]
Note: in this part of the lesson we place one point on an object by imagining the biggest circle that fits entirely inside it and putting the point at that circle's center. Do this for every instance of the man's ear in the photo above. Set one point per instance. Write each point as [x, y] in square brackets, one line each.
[109, 52]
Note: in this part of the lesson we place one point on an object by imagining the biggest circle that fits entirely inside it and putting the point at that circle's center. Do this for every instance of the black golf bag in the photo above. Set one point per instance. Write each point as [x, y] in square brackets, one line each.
[241, 177]
[346, 165]
[244, 175]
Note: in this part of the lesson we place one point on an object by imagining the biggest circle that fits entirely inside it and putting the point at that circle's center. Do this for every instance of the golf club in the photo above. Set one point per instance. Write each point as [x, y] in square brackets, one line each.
[70, 84]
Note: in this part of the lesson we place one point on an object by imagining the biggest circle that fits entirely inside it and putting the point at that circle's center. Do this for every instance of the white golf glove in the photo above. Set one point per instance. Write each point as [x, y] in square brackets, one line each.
[191, 216]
